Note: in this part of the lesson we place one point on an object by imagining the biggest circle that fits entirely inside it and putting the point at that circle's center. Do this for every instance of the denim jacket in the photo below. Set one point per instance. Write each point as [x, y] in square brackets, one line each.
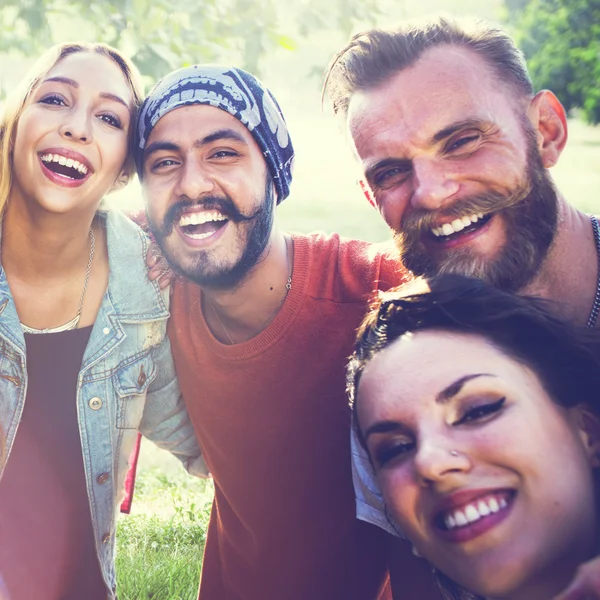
[126, 383]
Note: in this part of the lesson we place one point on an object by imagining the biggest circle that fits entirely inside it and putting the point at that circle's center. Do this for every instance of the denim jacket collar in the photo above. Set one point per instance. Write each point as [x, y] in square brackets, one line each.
[140, 300]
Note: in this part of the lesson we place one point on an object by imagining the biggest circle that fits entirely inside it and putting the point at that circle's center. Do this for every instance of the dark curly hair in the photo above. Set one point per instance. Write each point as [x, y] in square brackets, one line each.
[565, 358]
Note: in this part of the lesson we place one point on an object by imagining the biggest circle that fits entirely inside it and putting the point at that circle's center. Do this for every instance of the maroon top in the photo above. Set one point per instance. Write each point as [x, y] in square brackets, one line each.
[47, 549]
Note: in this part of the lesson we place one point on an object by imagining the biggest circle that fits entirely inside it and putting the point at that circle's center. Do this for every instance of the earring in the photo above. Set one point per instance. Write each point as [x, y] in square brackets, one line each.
[453, 452]
[416, 552]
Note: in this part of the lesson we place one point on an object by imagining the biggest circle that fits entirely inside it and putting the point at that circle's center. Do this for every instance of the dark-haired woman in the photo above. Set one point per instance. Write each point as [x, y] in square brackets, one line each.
[480, 415]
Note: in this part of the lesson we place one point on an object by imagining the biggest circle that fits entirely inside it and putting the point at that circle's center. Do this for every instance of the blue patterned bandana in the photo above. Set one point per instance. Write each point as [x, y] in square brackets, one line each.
[234, 91]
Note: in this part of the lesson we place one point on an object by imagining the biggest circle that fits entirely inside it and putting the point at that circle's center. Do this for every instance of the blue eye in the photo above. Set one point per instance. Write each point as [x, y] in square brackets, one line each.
[481, 412]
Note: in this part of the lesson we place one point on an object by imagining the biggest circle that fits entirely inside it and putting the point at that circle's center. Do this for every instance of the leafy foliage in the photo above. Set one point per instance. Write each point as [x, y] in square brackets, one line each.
[561, 40]
[161, 35]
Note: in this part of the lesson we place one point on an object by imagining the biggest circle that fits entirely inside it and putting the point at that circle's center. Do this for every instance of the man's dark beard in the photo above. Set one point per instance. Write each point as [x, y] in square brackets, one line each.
[530, 215]
[206, 272]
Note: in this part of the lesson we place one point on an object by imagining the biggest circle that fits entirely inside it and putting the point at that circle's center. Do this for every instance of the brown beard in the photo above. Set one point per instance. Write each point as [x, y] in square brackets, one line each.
[530, 215]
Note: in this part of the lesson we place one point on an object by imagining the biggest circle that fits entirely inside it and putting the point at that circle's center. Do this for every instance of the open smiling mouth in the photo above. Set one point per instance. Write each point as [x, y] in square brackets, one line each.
[459, 227]
[478, 510]
[65, 167]
[201, 225]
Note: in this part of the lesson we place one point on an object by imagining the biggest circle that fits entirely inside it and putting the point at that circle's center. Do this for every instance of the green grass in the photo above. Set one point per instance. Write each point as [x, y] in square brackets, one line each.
[160, 544]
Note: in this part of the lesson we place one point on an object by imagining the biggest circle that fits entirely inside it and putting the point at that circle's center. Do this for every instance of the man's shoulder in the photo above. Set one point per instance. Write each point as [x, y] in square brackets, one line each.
[351, 265]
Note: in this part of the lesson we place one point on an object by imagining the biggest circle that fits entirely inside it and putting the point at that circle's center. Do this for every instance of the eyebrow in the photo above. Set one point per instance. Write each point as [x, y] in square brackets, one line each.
[73, 83]
[221, 134]
[454, 388]
[454, 127]
[384, 427]
[444, 396]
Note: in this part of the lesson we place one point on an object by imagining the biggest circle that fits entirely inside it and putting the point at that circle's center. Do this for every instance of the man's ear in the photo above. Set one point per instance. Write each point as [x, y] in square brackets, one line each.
[368, 193]
[549, 121]
[588, 423]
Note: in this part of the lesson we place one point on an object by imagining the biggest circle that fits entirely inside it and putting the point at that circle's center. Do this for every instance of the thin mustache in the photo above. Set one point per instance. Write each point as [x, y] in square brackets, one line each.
[419, 222]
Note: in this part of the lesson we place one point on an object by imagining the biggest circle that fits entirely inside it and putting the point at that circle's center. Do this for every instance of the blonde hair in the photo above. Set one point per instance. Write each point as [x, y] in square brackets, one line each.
[16, 101]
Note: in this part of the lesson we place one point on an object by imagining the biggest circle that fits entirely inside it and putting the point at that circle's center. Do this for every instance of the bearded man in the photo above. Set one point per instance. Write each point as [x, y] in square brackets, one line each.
[455, 148]
[262, 324]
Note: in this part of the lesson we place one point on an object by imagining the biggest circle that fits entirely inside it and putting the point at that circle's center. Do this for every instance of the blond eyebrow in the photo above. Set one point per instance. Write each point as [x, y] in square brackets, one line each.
[75, 84]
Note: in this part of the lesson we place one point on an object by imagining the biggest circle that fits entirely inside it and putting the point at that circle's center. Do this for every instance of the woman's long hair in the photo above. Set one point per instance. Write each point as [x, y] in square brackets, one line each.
[16, 101]
[565, 358]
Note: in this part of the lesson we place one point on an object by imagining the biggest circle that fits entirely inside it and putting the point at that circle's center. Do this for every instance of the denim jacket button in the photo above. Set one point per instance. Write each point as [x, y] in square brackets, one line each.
[102, 478]
[95, 403]
[105, 538]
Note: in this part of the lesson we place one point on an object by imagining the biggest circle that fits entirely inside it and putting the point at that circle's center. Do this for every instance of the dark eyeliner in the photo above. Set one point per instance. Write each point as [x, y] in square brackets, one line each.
[481, 411]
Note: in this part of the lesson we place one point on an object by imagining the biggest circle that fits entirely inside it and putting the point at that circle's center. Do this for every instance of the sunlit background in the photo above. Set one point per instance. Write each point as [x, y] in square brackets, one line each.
[288, 44]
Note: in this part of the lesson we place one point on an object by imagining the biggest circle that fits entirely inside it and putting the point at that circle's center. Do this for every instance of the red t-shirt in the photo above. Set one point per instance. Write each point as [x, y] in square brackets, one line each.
[272, 418]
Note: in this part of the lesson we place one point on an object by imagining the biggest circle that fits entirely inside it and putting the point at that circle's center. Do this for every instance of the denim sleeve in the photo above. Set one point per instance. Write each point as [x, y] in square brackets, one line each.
[370, 506]
[165, 420]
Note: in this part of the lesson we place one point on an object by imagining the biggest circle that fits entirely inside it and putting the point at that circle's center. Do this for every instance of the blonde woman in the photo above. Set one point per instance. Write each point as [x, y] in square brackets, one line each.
[84, 361]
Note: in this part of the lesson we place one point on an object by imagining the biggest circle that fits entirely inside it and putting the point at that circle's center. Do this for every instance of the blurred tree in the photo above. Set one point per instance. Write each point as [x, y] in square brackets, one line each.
[561, 40]
[161, 35]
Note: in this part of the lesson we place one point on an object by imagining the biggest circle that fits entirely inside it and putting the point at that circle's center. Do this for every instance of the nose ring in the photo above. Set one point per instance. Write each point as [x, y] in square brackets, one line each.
[453, 452]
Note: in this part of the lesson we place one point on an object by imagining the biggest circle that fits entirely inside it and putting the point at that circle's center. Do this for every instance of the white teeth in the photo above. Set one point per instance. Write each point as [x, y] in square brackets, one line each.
[457, 225]
[460, 518]
[199, 218]
[447, 229]
[450, 522]
[474, 512]
[200, 236]
[483, 509]
[68, 162]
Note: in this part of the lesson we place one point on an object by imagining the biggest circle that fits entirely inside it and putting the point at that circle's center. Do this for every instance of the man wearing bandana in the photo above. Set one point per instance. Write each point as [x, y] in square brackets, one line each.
[262, 324]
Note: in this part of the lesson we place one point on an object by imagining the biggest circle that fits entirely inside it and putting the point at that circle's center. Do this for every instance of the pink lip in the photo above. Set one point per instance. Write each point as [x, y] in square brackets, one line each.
[473, 530]
[61, 179]
[459, 241]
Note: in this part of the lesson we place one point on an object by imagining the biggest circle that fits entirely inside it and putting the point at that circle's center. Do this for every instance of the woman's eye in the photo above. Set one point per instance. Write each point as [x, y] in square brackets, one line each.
[52, 99]
[481, 412]
[385, 453]
[112, 120]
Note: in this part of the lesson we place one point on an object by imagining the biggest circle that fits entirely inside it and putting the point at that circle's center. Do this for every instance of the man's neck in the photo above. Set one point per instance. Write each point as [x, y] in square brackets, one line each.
[569, 275]
[239, 314]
